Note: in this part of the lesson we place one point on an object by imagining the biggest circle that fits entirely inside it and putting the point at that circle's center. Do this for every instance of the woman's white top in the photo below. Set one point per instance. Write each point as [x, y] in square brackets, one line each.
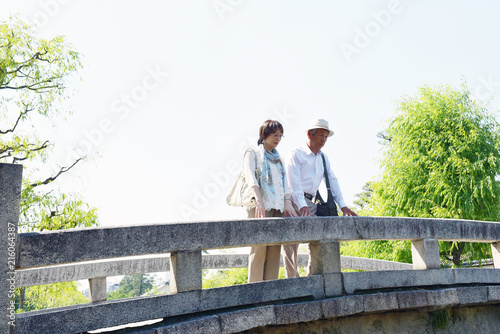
[271, 202]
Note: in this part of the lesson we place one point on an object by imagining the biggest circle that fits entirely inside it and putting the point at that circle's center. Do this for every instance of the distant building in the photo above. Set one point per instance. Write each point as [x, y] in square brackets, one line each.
[112, 287]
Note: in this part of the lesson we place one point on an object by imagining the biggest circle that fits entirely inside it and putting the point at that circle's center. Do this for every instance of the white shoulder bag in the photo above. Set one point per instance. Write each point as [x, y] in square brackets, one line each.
[241, 194]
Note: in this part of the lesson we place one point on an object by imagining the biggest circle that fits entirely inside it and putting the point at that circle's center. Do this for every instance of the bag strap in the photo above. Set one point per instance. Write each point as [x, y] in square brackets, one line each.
[327, 180]
[332, 205]
[254, 153]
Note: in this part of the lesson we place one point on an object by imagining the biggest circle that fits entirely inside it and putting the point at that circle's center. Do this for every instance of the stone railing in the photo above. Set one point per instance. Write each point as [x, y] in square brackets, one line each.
[24, 256]
[101, 269]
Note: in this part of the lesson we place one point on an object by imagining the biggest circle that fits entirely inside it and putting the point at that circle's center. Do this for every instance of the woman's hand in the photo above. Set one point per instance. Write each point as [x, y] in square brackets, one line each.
[289, 209]
[260, 211]
[260, 208]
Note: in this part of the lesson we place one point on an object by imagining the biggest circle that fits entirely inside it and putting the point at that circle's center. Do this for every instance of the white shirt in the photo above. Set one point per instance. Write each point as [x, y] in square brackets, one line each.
[270, 202]
[305, 172]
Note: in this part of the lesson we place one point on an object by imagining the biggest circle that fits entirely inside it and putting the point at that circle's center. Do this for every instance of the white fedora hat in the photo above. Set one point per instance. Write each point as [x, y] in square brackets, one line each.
[319, 123]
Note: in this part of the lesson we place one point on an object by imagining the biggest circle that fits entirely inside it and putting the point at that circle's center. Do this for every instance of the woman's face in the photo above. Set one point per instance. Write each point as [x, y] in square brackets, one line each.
[272, 140]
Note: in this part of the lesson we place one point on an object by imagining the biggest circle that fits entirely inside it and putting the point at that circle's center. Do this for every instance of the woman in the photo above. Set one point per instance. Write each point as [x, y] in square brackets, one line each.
[273, 198]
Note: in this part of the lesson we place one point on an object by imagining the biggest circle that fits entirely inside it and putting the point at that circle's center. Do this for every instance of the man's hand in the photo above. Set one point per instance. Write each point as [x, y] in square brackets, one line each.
[348, 212]
[305, 211]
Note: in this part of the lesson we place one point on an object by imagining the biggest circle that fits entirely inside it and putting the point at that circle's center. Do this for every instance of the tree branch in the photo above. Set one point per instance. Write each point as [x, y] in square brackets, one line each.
[446, 255]
[33, 86]
[27, 150]
[384, 137]
[26, 110]
[26, 63]
[52, 178]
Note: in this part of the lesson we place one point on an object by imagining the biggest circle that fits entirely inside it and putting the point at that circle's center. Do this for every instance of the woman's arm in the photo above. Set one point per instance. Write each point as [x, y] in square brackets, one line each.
[260, 209]
[289, 209]
[249, 170]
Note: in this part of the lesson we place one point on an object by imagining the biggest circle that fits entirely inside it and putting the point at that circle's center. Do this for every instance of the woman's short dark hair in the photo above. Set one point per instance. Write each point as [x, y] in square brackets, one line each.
[268, 128]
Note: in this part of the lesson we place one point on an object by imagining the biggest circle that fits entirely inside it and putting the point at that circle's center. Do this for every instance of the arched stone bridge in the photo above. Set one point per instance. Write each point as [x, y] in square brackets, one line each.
[388, 298]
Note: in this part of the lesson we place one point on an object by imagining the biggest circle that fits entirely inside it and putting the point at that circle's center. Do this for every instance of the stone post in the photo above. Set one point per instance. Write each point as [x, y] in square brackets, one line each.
[495, 251]
[10, 199]
[425, 254]
[325, 260]
[185, 271]
[98, 289]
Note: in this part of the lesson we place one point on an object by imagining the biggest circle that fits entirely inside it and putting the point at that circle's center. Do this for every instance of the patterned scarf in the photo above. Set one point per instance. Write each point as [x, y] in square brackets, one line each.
[266, 180]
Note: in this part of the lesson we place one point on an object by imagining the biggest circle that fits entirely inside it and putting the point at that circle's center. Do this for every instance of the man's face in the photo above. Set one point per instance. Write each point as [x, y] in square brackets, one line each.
[318, 140]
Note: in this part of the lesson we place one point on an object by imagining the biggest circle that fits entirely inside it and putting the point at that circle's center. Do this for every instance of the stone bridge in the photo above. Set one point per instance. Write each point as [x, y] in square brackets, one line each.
[386, 297]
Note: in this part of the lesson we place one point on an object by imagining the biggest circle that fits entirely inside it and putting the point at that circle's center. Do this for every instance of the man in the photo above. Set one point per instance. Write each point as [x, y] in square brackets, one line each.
[305, 171]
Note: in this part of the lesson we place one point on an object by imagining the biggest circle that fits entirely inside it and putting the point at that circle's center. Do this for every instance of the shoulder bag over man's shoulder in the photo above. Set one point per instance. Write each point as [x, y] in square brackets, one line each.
[330, 207]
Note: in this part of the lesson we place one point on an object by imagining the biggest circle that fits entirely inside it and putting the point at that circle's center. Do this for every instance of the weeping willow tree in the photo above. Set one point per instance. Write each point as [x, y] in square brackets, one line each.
[441, 159]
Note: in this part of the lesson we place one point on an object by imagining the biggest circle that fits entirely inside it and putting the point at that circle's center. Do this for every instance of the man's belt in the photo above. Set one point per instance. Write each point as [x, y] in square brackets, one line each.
[308, 196]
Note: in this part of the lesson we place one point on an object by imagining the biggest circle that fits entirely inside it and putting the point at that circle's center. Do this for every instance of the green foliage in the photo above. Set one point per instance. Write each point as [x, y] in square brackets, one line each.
[228, 277]
[441, 159]
[34, 77]
[391, 250]
[133, 286]
[455, 253]
[48, 296]
[439, 319]
[45, 211]
[363, 203]
[234, 276]
[33, 71]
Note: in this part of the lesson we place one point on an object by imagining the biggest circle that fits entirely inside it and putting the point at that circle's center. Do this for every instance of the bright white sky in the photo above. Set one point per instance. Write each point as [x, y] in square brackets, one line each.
[173, 91]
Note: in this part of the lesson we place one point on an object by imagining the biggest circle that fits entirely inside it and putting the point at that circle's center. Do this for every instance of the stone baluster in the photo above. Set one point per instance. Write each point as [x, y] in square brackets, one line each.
[325, 260]
[98, 289]
[425, 254]
[185, 271]
[495, 251]
[10, 199]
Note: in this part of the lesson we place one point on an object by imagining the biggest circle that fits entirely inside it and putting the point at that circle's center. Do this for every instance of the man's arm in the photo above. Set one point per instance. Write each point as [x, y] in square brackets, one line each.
[336, 192]
[293, 176]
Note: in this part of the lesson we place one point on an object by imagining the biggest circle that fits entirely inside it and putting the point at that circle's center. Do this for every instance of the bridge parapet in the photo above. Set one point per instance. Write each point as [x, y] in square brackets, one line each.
[185, 243]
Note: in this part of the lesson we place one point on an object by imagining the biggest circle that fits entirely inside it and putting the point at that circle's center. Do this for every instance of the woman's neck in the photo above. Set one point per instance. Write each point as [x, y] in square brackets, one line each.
[267, 148]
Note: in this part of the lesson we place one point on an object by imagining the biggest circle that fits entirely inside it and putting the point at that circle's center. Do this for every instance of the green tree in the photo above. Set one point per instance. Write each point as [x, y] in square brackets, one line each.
[41, 297]
[235, 276]
[34, 77]
[363, 200]
[133, 286]
[226, 277]
[389, 250]
[441, 159]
